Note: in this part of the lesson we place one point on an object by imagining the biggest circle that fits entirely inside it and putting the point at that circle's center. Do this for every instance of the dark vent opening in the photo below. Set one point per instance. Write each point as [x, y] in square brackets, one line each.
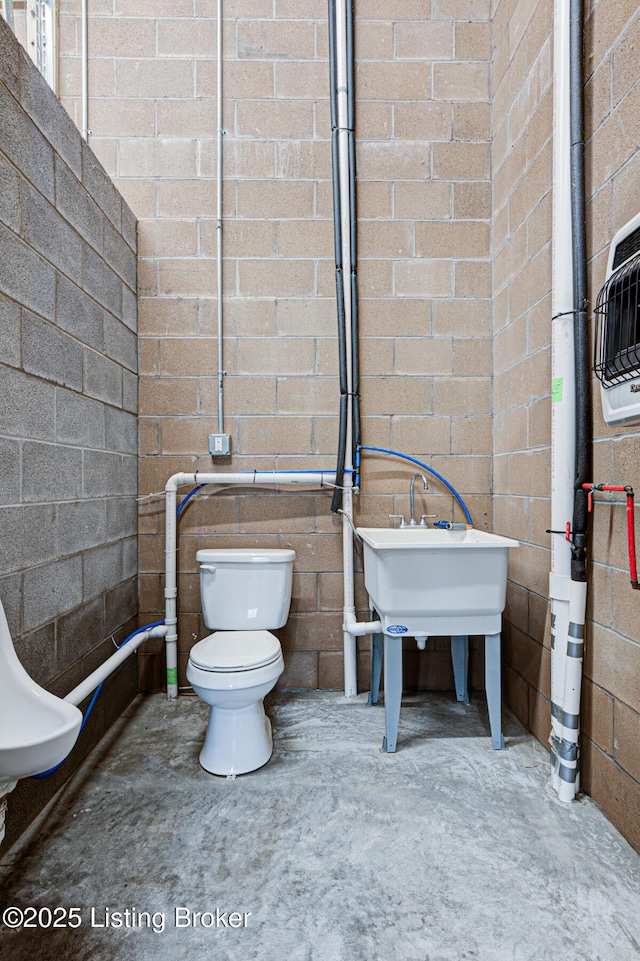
[627, 248]
[618, 324]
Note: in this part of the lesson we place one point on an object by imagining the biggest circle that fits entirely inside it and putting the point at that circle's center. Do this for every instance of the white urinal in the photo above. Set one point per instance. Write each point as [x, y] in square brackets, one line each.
[37, 729]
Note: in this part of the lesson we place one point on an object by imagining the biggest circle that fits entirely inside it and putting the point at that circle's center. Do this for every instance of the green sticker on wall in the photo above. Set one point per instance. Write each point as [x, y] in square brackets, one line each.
[172, 675]
[556, 389]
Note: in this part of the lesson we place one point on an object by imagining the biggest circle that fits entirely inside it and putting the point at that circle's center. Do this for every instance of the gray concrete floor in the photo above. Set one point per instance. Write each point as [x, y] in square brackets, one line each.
[444, 851]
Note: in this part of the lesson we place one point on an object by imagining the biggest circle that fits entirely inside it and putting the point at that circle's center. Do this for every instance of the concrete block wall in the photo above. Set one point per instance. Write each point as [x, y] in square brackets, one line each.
[522, 209]
[425, 276]
[522, 236]
[68, 405]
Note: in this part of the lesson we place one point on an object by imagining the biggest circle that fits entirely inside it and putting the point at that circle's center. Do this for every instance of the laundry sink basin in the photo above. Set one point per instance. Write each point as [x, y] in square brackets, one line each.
[425, 581]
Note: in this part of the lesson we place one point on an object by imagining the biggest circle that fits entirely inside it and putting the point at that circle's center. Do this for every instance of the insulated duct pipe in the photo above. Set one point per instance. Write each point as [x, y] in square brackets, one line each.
[571, 430]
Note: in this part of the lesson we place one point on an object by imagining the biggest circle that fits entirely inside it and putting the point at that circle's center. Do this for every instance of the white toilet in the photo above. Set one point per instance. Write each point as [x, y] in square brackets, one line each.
[245, 593]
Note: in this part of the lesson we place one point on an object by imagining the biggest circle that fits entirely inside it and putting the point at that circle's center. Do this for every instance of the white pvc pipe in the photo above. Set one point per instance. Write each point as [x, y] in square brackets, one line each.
[171, 585]
[7, 12]
[84, 70]
[220, 136]
[349, 638]
[316, 478]
[255, 478]
[360, 628]
[348, 615]
[90, 683]
[563, 363]
[561, 588]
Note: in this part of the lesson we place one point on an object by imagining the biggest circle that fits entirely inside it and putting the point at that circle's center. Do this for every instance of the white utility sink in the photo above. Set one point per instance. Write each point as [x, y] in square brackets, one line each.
[426, 581]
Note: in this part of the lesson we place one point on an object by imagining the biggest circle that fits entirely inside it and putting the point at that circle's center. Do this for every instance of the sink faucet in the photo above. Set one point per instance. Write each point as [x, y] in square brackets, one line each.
[412, 519]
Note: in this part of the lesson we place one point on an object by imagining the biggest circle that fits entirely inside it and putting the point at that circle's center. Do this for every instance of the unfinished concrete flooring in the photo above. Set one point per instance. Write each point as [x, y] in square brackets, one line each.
[334, 851]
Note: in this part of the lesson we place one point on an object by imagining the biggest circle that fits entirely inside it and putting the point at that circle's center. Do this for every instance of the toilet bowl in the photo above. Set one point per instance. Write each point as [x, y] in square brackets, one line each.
[232, 671]
[244, 593]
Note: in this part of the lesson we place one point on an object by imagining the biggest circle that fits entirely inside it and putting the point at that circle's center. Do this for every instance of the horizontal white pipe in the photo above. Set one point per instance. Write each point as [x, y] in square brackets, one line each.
[252, 478]
[240, 478]
[359, 628]
[90, 683]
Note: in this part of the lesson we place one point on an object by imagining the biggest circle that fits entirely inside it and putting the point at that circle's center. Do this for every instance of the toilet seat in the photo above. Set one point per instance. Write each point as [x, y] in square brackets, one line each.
[235, 651]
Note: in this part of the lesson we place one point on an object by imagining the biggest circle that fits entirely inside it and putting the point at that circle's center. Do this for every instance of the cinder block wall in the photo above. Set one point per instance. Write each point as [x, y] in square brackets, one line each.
[423, 126]
[522, 208]
[522, 310]
[68, 402]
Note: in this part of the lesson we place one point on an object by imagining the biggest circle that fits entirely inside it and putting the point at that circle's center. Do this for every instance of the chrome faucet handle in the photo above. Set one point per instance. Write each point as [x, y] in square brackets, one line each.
[423, 519]
[403, 523]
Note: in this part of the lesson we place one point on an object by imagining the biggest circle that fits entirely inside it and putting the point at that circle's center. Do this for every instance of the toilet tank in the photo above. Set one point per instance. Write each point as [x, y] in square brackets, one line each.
[245, 589]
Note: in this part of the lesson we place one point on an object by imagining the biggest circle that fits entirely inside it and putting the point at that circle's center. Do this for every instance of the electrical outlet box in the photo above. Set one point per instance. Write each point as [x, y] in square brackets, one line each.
[220, 445]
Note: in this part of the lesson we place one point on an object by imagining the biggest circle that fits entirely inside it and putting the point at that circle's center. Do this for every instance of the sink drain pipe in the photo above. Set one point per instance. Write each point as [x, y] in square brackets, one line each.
[570, 395]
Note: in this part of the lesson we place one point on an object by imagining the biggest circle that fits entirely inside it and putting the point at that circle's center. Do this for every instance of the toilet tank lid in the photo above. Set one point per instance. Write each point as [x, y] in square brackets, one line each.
[245, 555]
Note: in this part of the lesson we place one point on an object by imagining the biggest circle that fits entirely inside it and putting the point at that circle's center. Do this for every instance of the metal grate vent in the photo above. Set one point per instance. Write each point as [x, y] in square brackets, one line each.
[626, 248]
[617, 348]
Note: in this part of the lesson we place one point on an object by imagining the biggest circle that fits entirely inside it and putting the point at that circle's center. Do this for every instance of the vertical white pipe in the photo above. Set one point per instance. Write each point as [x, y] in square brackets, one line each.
[562, 396]
[220, 136]
[7, 13]
[349, 640]
[563, 383]
[171, 587]
[84, 70]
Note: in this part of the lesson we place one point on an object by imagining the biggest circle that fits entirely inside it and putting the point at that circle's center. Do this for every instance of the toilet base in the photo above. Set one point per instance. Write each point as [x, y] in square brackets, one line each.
[237, 741]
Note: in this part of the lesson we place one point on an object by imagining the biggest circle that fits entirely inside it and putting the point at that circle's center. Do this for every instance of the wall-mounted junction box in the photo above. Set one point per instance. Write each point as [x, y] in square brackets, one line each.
[617, 360]
[220, 445]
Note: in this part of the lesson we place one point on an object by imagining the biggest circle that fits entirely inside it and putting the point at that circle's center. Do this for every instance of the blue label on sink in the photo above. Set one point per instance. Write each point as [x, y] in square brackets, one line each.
[397, 629]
